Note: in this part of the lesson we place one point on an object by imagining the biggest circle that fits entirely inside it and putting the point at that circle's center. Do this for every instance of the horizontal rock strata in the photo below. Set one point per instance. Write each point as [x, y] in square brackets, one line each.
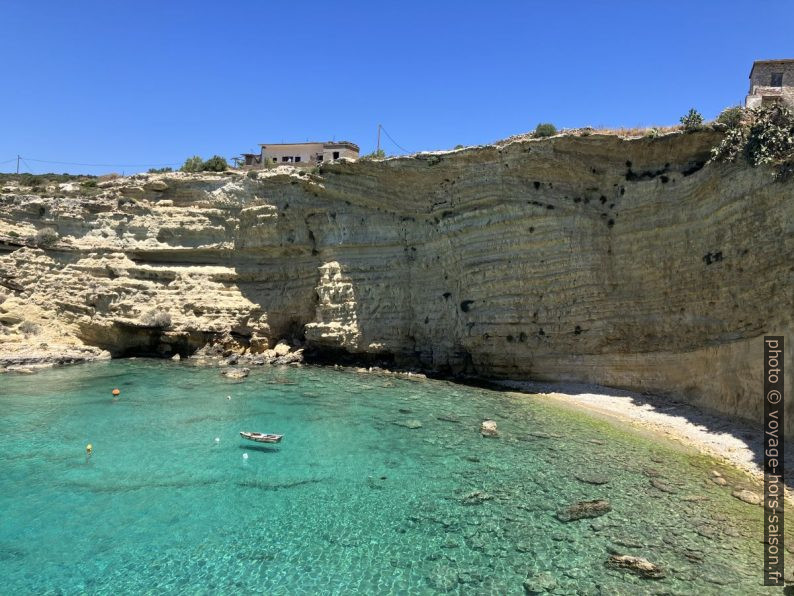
[628, 263]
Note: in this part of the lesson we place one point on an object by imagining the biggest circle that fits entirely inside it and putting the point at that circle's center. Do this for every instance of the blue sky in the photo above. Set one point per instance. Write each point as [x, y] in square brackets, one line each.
[154, 82]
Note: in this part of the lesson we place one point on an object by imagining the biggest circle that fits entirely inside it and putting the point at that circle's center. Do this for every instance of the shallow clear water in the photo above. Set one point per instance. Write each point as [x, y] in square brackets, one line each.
[349, 502]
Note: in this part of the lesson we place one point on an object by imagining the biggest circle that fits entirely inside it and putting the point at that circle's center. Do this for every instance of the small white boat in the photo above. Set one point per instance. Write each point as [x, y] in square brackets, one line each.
[261, 437]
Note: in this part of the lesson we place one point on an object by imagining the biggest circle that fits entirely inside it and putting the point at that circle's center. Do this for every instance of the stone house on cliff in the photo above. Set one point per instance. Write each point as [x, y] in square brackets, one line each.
[771, 81]
[299, 154]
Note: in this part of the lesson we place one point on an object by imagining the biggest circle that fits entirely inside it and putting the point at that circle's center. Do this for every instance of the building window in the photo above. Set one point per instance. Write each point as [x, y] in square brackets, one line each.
[336, 154]
[319, 158]
[286, 159]
[297, 158]
[777, 79]
[275, 160]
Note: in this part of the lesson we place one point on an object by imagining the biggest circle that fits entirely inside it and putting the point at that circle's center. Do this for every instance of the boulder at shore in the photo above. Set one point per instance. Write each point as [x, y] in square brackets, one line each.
[235, 373]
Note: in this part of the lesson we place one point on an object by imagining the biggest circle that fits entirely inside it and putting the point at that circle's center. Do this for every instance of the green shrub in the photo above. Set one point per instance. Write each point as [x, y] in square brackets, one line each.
[692, 120]
[731, 117]
[45, 236]
[731, 146]
[192, 164]
[89, 184]
[377, 154]
[216, 163]
[770, 138]
[160, 170]
[764, 136]
[545, 129]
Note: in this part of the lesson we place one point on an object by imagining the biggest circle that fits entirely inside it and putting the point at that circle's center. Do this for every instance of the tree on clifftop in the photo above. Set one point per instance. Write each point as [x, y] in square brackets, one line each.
[377, 154]
[192, 164]
[545, 129]
[216, 163]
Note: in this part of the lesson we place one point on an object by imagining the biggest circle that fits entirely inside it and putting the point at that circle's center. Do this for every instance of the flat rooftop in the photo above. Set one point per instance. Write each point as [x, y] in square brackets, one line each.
[347, 144]
[781, 62]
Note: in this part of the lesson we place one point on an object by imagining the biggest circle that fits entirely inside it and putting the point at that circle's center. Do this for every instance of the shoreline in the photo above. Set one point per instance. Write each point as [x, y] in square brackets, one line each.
[734, 443]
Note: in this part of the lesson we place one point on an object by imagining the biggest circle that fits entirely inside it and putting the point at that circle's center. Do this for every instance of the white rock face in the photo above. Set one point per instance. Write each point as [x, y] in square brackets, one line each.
[597, 259]
[282, 349]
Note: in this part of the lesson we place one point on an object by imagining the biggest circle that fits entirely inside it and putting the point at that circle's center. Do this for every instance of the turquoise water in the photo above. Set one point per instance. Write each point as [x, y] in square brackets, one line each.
[349, 502]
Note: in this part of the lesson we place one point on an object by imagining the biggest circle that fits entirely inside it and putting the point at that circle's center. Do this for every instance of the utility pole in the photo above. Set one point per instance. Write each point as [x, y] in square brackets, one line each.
[378, 151]
[17, 164]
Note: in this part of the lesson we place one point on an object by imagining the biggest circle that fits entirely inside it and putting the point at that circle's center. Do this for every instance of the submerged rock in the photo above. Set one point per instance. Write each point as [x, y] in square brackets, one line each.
[408, 423]
[477, 497]
[540, 583]
[707, 531]
[748, 496]
[584, 509]
[488, 429]
[601, 525]
[628, 542]
[694, 498]
[637, 565]
[448, 418]
[443, 578]
[596, 479]
[662, 486]
[695, 556]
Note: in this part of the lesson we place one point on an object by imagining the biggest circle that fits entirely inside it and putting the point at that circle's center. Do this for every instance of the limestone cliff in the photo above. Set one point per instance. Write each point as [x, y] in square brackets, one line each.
[629, 263]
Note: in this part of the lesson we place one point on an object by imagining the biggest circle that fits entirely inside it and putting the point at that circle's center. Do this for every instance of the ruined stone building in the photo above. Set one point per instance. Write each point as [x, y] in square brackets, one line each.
[771, 81]
[300, 154]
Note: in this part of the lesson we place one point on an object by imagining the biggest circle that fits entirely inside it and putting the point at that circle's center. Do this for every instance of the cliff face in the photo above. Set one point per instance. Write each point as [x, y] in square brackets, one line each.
[621, 262]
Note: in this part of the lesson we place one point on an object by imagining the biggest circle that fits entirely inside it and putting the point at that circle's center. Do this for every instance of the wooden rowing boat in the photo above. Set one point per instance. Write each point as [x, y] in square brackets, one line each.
[261, 437]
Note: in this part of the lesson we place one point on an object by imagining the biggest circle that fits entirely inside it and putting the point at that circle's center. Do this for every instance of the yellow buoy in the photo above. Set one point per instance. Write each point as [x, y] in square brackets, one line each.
[116, 392]
[89, 450]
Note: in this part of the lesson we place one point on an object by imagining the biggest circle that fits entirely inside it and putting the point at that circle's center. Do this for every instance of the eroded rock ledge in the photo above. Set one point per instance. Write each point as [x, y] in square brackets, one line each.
[627, 263]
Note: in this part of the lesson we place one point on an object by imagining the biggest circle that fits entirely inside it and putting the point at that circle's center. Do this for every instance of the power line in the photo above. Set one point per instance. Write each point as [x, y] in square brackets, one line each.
[105, 165]
[393, 141]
